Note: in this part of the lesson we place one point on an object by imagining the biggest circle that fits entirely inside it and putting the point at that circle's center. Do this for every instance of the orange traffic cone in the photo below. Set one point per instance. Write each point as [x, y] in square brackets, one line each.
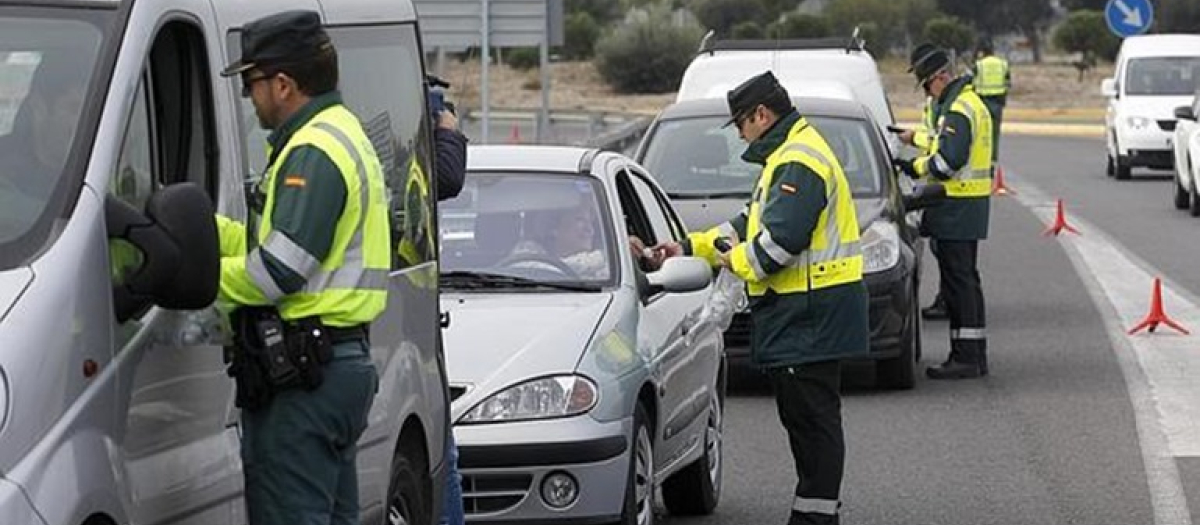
[1156, 315]
[998, 186]
[514, 136]
[1060, 223]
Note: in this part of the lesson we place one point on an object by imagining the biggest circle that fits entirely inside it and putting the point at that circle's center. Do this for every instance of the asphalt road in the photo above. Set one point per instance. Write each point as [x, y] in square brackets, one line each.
[1053, 435]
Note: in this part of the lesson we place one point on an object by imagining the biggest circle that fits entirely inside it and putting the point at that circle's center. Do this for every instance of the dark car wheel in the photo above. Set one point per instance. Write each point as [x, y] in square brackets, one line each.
[1110, 167]
[639, 488]
[1182, 198]
[407, 504]
[1194, 201]
[1124, 170]
[696, 489]
[899, 373]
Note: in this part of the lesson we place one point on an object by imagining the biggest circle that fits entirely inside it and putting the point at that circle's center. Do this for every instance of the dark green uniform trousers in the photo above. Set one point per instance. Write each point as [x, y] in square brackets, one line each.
[299, 451]
[809, 401]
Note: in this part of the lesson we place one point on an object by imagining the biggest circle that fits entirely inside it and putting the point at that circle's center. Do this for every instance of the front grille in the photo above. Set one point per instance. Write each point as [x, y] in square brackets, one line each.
[738, 333]
[488, 493]
[1167, 125]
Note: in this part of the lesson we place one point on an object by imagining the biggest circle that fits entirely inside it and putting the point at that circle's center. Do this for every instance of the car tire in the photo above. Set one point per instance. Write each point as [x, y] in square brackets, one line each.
[407, 500]
[1123, 169]
[695, 490]
[1194, 201]
[1182, 197]
[1110, 167]
[639, 488]
[900, 372]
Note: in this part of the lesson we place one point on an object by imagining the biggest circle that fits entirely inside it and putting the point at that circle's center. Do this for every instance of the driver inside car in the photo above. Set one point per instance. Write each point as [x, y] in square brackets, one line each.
[569, 237]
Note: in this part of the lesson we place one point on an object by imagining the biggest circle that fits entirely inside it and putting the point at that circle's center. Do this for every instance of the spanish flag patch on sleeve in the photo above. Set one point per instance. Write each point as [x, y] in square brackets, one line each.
[787, 188]
[293, 181]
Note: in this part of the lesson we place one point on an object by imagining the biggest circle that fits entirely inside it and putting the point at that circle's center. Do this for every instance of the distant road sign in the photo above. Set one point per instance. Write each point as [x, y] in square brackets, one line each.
[1129, 17]
[458, 24]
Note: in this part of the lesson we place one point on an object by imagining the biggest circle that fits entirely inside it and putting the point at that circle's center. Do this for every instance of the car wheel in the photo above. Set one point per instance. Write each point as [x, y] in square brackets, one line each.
[1123, 169]
[639, 488]
[696, 489]
[1109, 168]
[407, 504]
[1194, 201]
[899, 373]
[1182, 197]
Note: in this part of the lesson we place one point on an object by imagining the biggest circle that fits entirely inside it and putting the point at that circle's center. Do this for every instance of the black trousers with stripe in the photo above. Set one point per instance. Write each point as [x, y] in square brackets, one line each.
[809, 401]
[960, 284]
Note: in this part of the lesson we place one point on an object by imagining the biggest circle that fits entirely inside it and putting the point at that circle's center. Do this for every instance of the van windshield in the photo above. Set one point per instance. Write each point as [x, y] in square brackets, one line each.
[695, 157]
[1165, 76]
[47, 57]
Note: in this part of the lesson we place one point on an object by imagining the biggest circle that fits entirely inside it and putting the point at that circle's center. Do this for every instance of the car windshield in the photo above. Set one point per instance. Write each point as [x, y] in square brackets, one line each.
[693, 157]
[543, 228]
[46, 61]
[1163, 76]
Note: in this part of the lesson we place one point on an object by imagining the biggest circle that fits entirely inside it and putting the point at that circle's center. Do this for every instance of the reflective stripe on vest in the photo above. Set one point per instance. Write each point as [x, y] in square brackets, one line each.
[990, 76]
[975, 178]
[834, 255]
[349, 287]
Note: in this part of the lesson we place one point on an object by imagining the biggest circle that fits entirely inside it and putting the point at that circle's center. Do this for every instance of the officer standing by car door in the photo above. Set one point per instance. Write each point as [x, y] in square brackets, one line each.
[306, 276]
[797, 247]
[992, 82]
[960, 159]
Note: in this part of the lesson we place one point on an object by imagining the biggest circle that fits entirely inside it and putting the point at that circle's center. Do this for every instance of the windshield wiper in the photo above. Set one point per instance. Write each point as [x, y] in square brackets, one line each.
[476, 280]
[714, 195]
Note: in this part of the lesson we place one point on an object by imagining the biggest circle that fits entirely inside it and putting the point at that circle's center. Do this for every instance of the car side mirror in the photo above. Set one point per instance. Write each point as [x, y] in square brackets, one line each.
[924, 197]
[1184, 113]
[680, 275]
[168, 255]
[1108, 87]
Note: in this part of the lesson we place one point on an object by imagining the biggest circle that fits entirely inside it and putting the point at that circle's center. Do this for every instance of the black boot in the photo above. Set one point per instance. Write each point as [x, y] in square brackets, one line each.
[953, 370]
[937, 310]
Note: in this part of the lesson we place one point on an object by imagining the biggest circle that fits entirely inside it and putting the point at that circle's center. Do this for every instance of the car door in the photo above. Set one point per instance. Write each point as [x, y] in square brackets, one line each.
[176, 452]
[673, 322]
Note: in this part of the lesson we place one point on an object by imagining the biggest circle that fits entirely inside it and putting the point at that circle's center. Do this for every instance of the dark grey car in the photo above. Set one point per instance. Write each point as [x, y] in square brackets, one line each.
[698, 163]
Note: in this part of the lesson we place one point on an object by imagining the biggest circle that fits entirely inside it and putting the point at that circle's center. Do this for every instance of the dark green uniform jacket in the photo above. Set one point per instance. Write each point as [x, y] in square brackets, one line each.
[955, 219]
[797, 328]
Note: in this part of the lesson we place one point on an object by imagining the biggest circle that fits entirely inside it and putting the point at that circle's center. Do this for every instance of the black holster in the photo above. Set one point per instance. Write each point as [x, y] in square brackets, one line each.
[270, 355]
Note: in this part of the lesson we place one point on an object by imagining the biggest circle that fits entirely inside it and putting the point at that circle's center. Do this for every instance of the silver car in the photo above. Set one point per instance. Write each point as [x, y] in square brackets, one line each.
[581, 379]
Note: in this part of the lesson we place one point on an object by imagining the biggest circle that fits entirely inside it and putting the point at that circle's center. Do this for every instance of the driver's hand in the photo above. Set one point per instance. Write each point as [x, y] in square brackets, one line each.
[907, 136]
[666, 250]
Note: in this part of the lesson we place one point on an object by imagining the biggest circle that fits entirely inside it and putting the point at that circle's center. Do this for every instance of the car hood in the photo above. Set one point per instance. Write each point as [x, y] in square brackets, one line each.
[1158, 108]
[12, 284]
[702, 214]
[497, 340]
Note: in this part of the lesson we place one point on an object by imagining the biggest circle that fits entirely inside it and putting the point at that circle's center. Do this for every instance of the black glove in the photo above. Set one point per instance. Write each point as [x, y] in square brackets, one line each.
[906, 167]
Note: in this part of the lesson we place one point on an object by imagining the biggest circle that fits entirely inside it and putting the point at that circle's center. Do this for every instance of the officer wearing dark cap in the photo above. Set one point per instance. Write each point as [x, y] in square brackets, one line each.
[797, 246]
[307, 275]
[959, 157]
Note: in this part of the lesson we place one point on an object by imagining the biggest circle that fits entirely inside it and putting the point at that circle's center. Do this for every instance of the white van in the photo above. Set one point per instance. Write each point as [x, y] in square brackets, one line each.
[816, 68]
[118, 140]
[1154, 75]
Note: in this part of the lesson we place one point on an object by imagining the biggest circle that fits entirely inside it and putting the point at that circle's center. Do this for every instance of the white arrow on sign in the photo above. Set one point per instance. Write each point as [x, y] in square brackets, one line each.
[1133, 17]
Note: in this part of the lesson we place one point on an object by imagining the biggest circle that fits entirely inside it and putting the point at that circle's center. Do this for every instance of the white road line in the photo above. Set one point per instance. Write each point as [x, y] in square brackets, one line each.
[1162, 370]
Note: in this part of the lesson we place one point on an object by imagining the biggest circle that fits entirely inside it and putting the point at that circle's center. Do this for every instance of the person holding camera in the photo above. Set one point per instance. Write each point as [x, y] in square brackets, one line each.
[306, 277]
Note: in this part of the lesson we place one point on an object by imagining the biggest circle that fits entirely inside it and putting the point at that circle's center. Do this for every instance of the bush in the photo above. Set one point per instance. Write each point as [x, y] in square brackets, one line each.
[1086, 32]
[894, 23]
[722, 15]
[648, 52]
[582, 31]
[951, 34]
[523, 58]
[800, 25]
[747, 31]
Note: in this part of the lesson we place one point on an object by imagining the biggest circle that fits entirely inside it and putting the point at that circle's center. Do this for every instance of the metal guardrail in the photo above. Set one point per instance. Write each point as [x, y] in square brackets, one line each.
[612, 131]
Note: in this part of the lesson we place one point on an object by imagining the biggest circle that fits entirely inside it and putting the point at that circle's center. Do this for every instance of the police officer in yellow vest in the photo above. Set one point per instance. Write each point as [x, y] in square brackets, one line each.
[797, 247]
[307, 275]
[961, 160]
[992, 82]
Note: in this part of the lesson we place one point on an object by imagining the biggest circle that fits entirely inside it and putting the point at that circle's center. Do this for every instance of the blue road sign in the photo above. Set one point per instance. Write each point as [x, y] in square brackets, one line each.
[1129, 17]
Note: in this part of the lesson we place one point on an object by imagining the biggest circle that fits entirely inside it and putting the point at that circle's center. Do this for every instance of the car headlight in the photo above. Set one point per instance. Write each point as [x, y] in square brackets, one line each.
[547, 397]
[1138, 122]
[881, 246]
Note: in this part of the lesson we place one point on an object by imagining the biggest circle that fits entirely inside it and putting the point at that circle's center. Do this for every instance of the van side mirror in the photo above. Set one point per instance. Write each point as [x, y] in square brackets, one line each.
[168, 255]
[679, 275]
[1184, 113]
[1108, 87]
[924, 197]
